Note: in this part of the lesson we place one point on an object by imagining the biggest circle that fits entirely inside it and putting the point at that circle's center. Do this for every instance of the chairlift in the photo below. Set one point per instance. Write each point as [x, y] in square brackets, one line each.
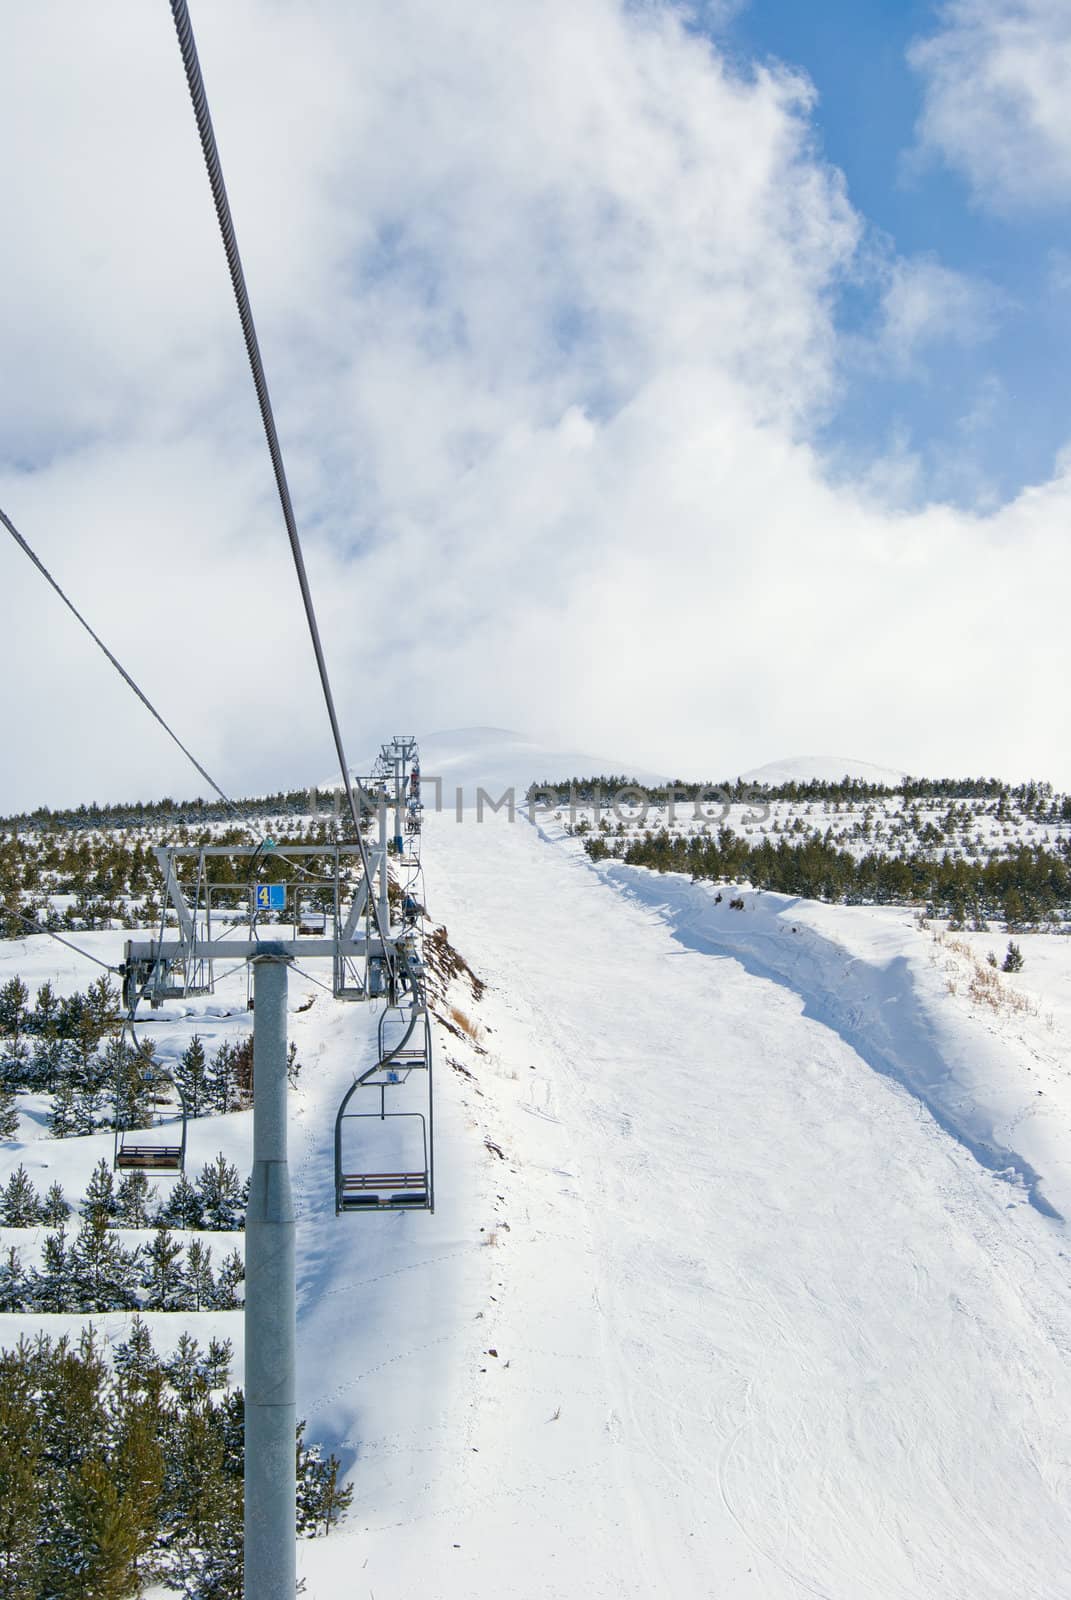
[383, 1158]
[404, 1036]
[161, 1147]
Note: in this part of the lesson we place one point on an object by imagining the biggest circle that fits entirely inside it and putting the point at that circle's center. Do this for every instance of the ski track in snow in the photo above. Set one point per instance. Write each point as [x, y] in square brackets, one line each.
[763, 1330]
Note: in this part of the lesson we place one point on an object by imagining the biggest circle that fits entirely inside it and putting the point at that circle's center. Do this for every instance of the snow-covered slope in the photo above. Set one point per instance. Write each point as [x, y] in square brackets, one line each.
[720, 1310]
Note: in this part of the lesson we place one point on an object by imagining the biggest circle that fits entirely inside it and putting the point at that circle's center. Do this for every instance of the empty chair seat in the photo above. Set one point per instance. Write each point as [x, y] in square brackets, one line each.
[358, 1190]
[156, 1157]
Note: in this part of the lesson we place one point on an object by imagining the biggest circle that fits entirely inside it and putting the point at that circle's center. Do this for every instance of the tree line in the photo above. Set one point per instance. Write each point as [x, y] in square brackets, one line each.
[1033, 798]
[1029, 886]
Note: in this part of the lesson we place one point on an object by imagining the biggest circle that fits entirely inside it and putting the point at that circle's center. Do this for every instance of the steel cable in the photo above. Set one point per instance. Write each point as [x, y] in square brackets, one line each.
[203, 118]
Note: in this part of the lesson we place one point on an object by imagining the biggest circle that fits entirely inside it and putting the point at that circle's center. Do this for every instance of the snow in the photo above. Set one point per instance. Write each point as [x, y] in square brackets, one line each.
[734, 1286]
[762, 1327]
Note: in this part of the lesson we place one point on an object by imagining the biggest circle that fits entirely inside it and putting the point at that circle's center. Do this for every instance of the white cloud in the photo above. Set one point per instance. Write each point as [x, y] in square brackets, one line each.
[925, 303]
[545, 299]
[996, 105]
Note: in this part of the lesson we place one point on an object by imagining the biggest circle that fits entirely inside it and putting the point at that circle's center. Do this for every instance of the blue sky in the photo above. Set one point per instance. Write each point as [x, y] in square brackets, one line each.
[987, 416]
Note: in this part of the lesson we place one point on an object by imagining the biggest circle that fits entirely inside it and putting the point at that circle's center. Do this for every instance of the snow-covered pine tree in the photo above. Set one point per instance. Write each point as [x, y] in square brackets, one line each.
[217, 1363]
[166, 1288]
[185, 1370]
[88, 1107]
[129, 1073]
[103, 1275]
[50, 1286]
[204, 1507]
[9, 1113]
[48, 1045]
[200, 1281]
[192, 1078]
[1013, 958]
[102, 1006]
[14, 1296]
[134, 1359]
[100, 1202]
[13, 997]
[54, 1208]
[132, 1201]
[321, 1499]
[184, 1207]
[222, 1090]
[61, 1118]
[231, 1275]
[222, 1195]
[20, 1204]
[16, 1071]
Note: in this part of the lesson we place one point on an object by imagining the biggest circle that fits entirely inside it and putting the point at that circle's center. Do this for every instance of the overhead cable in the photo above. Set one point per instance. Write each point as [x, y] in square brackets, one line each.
[199, 98]
[120, 669]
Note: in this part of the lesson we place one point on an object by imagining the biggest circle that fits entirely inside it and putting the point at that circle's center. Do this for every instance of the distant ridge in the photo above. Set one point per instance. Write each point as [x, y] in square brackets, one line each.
[827, 769]
[495, 759]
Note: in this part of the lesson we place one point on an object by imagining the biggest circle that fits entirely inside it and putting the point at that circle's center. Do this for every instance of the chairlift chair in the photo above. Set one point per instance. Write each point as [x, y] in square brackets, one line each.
[386, 1163]
[161, 1147]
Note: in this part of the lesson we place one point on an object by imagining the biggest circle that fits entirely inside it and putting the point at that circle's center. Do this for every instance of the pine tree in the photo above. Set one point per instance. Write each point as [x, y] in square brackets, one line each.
[104, 1276]
[100, 1203]
[1013, 959]
[48, 1045]
[13, 998]
[14, 1283]
[61, 1118]
[231, 1275]
[132, 1201]
[217, 1363]
[185, 1370]
[51, 1286]
[46, 1011]
[55, 1209]
[221, 1089]
[15, 1070]
[135, 1361]
[138, 1467]
[191, 1077]
[165, 1281]
[9, 1113]
[206, 1506]
[87, 1107]
[130, 1073]
[184, 1207]
[199, 1277]
[20, 1497]
[20, 1204]
[48, 1060]
[320, 1496]
[95, 1549]
[102, 1005]
[222, 1195]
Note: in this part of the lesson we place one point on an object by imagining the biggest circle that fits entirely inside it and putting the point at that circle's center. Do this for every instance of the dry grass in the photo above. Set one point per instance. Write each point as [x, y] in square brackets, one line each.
[985, 986]
[470, 1029]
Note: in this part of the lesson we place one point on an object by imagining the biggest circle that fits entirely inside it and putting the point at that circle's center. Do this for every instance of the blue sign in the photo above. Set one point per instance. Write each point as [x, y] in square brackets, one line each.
[270, 897]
